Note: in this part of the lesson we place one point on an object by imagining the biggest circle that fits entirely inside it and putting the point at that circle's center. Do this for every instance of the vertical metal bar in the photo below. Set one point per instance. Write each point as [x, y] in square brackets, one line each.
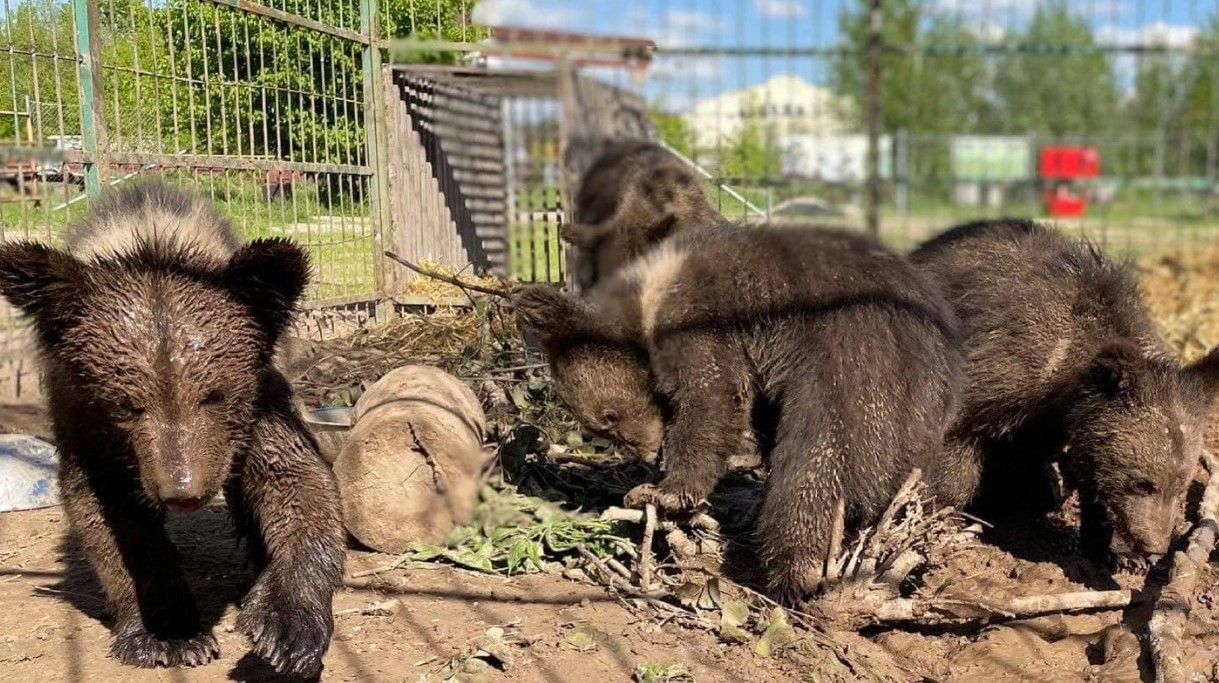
[375, 139]
[92, 105]
[876, 21]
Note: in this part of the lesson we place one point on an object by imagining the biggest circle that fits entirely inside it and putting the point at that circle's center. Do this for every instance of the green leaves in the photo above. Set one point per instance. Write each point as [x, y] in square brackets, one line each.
[778, 635]
[734, 616]
[515, 534]
[658, 672]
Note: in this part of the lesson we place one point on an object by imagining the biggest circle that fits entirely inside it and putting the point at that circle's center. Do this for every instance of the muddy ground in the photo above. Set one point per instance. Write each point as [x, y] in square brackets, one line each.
[410, 625]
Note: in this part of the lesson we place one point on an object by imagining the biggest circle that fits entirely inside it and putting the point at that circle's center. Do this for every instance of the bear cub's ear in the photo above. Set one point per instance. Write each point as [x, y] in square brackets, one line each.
[1203, 376]
[1115, 369]
[268, 276]
[45, 283]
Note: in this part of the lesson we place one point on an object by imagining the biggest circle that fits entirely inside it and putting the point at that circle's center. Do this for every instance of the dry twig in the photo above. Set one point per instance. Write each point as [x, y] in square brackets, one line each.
[906, 537]
[645, 548]
[503, 292]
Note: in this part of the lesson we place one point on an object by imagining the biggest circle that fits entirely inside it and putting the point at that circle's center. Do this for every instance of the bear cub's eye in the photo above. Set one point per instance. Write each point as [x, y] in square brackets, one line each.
[125, 410]
[1144, 487]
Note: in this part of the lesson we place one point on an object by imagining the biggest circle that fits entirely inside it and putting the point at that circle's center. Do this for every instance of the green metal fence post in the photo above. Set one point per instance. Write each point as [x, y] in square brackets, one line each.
[89, 74]
[375, 141]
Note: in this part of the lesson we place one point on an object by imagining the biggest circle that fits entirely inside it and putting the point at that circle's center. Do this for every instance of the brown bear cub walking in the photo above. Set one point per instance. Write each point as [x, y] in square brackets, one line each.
[855, 350]
[1065, 363]
[156, 329]
[633, 195]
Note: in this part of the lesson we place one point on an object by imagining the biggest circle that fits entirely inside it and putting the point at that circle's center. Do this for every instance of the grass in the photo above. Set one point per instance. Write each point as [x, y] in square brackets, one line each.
[340, 238]
[535, 252]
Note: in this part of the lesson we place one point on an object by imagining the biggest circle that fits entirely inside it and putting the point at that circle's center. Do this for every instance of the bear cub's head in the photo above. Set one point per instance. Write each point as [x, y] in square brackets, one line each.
[163, 349]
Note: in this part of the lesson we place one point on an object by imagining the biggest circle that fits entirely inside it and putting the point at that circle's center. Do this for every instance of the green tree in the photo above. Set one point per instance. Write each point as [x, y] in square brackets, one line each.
[848, 73]
[673, 129]
[447, 20]
[1154, 114]
[1040, 90]
[301, 92]
[750, 152]
[1185, 105]
[39, 94]
[935, 86]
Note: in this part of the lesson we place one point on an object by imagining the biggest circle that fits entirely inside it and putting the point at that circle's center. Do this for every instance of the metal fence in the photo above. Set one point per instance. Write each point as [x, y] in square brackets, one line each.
[268, 109]
[902, 116]
[961, 103]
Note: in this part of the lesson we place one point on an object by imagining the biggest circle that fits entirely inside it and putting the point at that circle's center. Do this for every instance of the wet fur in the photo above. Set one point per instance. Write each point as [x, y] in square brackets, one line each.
[1065, 364]
[854, 350]
[156, 329]
[632, 197]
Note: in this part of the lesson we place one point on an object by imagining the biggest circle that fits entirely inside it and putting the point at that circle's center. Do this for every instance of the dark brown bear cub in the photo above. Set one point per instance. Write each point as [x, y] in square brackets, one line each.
[156, 329]
[856, 351]
[1065, 364]
[633, 195]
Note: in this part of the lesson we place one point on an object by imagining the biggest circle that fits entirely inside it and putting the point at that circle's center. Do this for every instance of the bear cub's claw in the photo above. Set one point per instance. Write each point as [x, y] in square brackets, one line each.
[284, 630]
[135, 646]
[664, 499]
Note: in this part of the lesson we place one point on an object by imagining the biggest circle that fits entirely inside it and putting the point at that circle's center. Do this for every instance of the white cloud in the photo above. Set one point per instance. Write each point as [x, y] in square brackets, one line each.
[682, 28]
[1157, 34]
[681, 69]
[779, 9]
[992, 7]
[1025, 8]
[530, 13]
[986, 31]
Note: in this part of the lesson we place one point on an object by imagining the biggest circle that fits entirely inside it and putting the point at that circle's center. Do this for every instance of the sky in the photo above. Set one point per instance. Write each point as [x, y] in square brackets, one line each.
[677, 81]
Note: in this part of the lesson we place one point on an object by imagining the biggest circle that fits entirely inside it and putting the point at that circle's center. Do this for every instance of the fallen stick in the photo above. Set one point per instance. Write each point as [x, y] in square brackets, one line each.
[858, 611]
[699, 520]
[447, 279]
[1167, 625]
[378, 570]
[645, 548]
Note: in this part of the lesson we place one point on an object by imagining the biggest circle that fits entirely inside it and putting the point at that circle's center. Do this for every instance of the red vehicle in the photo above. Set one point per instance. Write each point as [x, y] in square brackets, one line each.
[1060, 168]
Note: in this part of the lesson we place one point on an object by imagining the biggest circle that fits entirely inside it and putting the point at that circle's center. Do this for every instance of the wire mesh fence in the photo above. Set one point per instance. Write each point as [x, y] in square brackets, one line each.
[975, 105]
[267, 109]
[914, 114]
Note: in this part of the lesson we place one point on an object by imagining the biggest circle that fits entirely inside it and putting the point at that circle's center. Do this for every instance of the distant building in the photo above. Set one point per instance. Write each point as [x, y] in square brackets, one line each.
[785, 104]
[832, 158]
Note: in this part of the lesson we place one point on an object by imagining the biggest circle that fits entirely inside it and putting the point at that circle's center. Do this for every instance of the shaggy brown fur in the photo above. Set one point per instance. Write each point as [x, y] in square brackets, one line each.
[1064, 363]
[156, 330]
[632, 197]
[854, 350]
[611, 392]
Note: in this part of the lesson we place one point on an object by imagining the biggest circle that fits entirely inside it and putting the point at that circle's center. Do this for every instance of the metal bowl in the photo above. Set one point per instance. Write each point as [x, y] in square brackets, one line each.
[329, 419]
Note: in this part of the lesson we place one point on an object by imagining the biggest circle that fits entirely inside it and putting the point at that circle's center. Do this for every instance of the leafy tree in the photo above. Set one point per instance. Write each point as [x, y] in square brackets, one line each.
[430, 20]
[750, 151]
[848, 72]
[938, 88]
[44, 88]
[673, 129]
[1040, 90]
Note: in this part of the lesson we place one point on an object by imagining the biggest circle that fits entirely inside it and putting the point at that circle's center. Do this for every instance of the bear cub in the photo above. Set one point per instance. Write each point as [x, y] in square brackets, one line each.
[156, 329]
[855, 351]
[632, 196]
[1065, 364]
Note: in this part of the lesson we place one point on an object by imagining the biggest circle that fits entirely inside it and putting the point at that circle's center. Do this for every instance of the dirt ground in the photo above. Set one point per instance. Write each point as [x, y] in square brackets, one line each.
[52, 627]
